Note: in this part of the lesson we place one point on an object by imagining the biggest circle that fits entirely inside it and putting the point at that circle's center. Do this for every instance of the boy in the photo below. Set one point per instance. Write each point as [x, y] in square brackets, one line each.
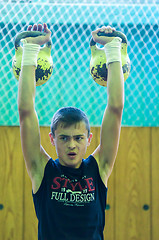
[70, 193]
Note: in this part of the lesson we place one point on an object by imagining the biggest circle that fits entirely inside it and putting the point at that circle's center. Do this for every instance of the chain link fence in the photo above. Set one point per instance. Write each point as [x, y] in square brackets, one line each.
[71, 84]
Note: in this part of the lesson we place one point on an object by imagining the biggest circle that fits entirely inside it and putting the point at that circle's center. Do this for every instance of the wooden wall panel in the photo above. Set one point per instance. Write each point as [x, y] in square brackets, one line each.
[133, 180]
[133, 185]
[11, 184]
[155, 183]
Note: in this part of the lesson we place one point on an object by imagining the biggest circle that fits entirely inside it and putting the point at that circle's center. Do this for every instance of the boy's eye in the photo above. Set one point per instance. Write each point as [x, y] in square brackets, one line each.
[79, 138]
[64, 138]
[67, 138]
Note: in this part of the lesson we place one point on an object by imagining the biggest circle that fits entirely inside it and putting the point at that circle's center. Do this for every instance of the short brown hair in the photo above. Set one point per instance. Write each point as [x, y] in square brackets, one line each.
[69, 116]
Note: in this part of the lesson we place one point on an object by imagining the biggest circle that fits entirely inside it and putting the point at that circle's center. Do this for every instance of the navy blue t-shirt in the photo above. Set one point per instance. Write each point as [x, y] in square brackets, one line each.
[70, 203]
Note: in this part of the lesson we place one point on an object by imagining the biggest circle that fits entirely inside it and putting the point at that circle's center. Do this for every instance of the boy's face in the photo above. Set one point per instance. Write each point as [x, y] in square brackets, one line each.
[71, 143]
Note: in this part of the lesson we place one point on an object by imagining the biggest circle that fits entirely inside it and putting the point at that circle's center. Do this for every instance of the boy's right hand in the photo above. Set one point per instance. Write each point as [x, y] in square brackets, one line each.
[40, 39]
[103, 39]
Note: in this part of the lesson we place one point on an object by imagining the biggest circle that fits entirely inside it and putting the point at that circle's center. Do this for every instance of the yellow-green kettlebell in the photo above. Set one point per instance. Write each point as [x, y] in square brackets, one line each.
[44, 62]
[98, 68]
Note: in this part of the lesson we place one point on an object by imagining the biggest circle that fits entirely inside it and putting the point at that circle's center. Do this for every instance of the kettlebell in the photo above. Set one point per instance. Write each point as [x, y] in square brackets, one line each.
[44, 61]
[98, 68]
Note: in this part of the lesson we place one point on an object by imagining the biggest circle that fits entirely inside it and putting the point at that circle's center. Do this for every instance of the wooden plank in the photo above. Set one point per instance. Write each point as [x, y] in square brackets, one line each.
[133, 185]
[11, 184]
[155, 182]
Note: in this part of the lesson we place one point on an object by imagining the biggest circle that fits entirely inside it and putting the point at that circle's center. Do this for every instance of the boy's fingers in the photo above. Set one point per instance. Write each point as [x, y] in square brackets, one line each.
[40, 27]
[106, 29]
[35, 27]
[95, 32]
[45, 26]
[46, 29]
[29, 28]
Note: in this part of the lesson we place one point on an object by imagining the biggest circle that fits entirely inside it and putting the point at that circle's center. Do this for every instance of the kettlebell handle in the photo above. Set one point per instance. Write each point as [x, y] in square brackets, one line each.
[113, 34]
[26, 34]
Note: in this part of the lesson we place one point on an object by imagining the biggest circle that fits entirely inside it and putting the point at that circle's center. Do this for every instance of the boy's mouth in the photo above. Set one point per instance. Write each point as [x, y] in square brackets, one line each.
[71, 154]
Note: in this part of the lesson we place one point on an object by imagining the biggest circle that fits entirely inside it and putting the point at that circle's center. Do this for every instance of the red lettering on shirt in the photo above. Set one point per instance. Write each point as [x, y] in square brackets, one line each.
[56, 182]
[65, 182]
[90, 184]
[59, 182]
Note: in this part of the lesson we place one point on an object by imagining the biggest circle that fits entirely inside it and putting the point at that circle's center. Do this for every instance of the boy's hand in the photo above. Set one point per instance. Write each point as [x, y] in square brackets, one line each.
[103, 39]
[40, 39]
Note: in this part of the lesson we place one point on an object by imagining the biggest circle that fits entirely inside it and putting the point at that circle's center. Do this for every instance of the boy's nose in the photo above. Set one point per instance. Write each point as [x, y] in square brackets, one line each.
[72, 144]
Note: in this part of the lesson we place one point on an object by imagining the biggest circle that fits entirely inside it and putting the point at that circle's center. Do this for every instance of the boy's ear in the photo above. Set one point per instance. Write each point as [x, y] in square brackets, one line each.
[51, 138]
[89, 139]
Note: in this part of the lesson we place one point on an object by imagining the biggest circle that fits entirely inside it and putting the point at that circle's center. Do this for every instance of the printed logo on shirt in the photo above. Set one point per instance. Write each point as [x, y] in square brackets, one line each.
[73, 193]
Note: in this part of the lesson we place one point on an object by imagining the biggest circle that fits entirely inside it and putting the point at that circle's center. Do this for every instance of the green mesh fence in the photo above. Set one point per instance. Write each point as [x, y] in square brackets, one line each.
[71, 83]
